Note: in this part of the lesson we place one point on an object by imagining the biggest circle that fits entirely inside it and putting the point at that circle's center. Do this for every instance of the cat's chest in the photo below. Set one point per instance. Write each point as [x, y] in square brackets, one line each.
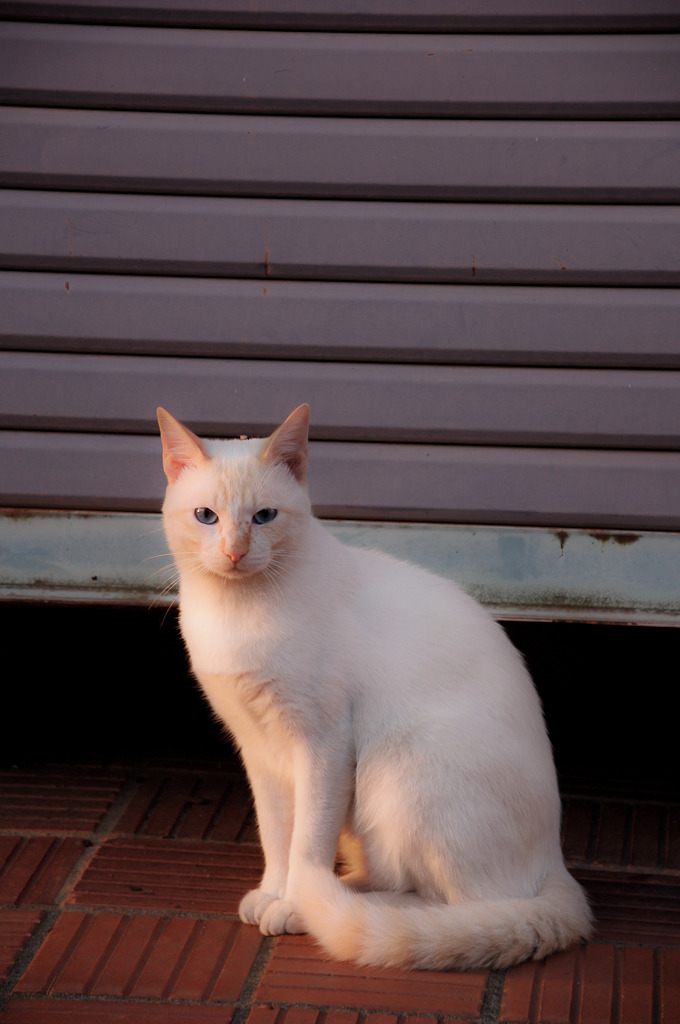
[250, 706]
[262, 674]
[223, 641]
[239, 671]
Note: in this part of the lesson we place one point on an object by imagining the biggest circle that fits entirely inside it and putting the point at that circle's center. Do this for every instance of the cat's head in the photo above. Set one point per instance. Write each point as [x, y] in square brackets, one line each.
[235, 508]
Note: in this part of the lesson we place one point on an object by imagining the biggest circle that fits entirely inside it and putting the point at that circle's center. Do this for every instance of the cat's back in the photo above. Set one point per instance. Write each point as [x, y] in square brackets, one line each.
[431, 666]
[395, 589]
[400, 612]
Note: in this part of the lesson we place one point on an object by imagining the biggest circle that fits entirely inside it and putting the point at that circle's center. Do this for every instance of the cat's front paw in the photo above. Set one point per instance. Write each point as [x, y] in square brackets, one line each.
[281, 918]
[254, 904]
[273, 915]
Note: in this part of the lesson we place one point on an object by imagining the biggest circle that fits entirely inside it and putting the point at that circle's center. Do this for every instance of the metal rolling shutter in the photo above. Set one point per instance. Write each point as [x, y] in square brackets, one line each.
[455, 234]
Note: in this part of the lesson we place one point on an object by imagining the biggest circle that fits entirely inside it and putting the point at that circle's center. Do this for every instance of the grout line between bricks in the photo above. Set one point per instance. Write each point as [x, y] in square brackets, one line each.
[577, 984]
[104, 830]
[249, 820]
[22, 962]
[657, 989]
[14, 855]
[210, 828]
[363, 1016]
[40, 869]
[140, 911]
[491, 1007]
[245, 1001]
[152, 806]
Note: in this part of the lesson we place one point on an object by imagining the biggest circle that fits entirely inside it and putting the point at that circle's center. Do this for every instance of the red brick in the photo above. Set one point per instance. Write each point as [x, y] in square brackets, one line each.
[154, 972]
[189, 806]
[649, 822]
[143, 957]
[299, 973]
[265, 1015]
[636, 985]
[518, 990]
[595, 984]
[557, 982]
[233, 949]
[541, 990]
[85, 1011]
[163, 875]
[43, 971]
[351, 1017]
[285, 1015]
[621, 834]
[34, 870]
[310, 1015]
[577, 828]
[16, 927]
[634, 908]
[669, 985]
[56, 800]
[611, 845]
[672, 843]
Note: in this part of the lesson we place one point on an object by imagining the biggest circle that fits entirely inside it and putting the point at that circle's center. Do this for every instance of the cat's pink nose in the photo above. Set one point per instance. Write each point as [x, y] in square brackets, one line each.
[235, 553]
[234, 548]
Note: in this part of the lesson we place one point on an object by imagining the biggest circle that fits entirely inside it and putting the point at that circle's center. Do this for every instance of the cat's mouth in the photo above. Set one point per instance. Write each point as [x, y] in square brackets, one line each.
[235, 570]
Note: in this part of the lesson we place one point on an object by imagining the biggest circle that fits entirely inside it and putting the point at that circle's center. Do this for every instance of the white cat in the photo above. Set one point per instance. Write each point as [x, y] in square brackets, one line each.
[380, 712]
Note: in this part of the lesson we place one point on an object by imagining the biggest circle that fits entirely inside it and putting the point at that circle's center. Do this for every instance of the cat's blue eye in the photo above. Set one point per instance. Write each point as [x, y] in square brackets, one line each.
[206, 516]
[265, 515]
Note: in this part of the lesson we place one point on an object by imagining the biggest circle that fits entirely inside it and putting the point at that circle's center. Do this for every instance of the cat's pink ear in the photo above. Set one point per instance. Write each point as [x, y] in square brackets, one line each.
[181, 449]
[288, 444]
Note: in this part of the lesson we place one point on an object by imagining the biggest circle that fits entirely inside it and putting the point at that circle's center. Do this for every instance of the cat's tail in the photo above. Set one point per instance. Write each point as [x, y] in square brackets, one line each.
[386, 930]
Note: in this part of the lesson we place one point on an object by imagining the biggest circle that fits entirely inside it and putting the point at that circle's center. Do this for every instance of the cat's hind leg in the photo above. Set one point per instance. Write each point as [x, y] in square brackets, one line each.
[351, 862]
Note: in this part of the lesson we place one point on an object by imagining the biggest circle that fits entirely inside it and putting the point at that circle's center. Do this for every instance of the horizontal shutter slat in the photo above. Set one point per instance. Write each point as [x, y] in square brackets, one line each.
[335, 320]
[370, 15]
[463, 405]
[439, 75]
[340, 157]
[562, 487]
[351, 240]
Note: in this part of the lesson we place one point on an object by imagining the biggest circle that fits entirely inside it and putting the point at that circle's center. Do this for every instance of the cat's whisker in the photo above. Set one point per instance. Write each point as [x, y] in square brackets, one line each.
[170, 577]
[158, 602]
[264, 479]
[172, 571]
[163, 569]
[273, 576]
[151, 532]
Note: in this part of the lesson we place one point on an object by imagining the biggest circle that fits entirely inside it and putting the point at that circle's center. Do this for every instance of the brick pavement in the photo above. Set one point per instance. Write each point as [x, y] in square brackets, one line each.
[119, 889]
